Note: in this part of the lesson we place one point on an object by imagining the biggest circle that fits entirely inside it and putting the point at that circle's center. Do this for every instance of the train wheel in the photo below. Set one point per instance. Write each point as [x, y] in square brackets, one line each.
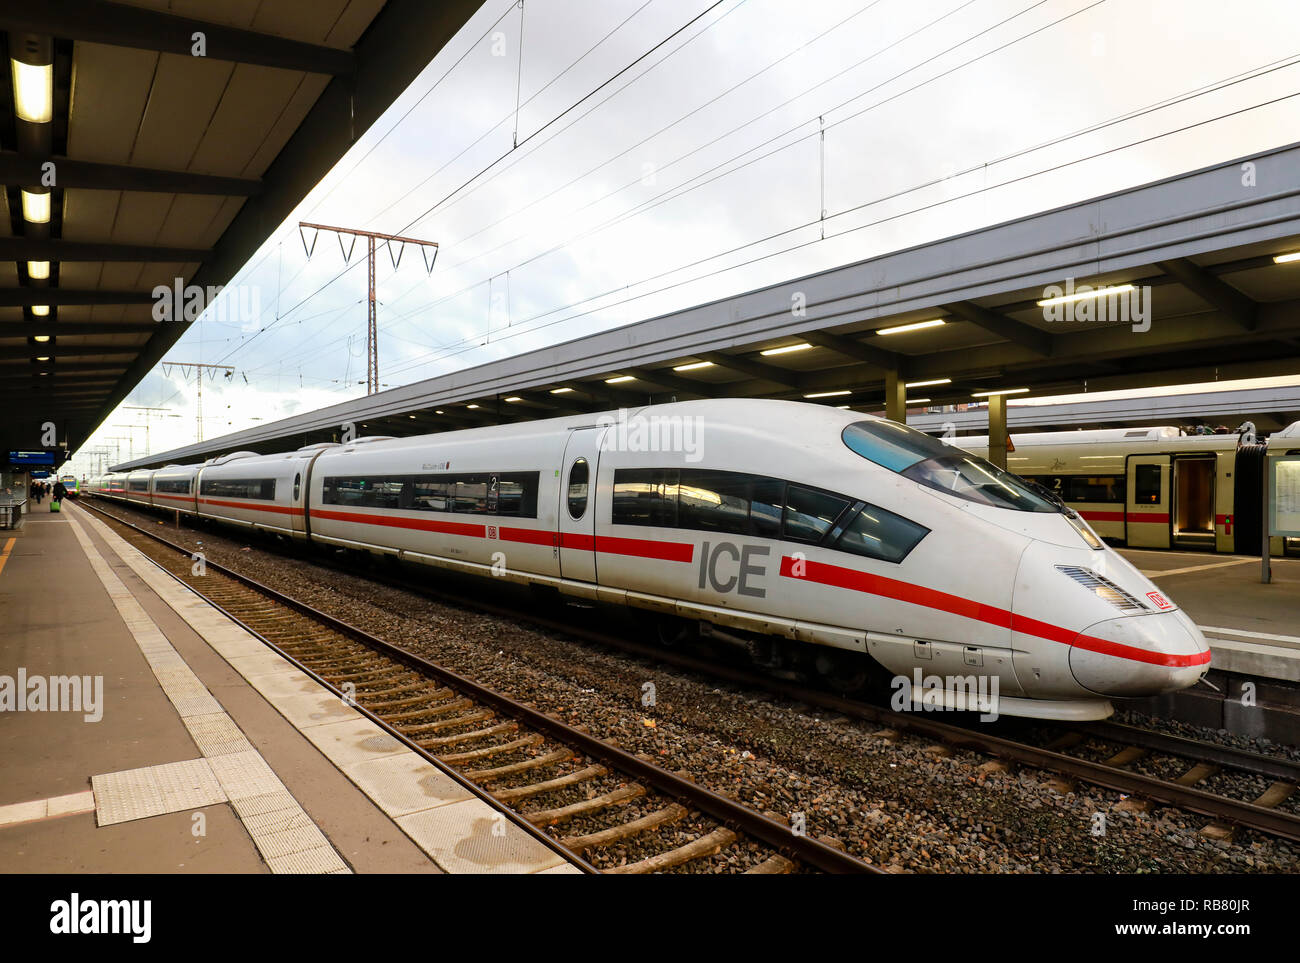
[672, 631]
[844, 672]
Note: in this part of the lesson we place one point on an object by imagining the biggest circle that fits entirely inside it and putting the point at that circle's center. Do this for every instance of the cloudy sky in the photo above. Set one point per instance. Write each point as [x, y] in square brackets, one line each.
[572, 193]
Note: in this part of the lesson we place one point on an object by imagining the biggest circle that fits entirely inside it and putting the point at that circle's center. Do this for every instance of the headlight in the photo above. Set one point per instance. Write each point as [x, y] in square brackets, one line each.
[1085, 532]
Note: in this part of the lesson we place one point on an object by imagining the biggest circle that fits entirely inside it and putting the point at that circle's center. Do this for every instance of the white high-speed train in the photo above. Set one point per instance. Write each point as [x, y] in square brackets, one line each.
[816, 537]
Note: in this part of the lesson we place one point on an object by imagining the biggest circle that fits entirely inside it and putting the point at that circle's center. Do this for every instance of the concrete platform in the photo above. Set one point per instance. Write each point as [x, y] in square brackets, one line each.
[1253, 629]
[196, 748]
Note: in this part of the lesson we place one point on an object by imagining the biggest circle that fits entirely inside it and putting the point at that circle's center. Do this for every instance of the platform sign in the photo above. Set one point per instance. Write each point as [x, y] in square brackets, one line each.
[1284, 496]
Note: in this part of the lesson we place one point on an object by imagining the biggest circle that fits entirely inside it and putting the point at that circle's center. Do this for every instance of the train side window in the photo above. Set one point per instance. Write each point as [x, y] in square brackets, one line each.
[765, 507]
[876, 533]
[430, 495]
[297, 486]
[809, 513]
[645, 496]
[713, 501]
[578, 476]
[517, 496]
[1146, 489]
[468, 494]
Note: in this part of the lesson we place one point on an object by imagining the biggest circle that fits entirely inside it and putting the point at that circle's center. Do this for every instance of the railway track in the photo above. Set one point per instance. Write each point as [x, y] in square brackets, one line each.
[556, 781]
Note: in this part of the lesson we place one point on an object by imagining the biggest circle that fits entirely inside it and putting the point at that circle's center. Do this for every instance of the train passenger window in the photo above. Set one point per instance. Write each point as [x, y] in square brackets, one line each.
[179, 486]
[517, 496]
[765, 507]
[877, 533]
[1092, 488]
[713, 501]
[645, 496]
[809, 513]
[297, 486]
[1146, 490]
[260, 488]
[138, 484]
[468, 494]
[578, 475]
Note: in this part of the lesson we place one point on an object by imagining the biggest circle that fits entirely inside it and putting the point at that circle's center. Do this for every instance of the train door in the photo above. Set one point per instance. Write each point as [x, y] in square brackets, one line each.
[1146, 514]
[577, 509]
[1192, 511]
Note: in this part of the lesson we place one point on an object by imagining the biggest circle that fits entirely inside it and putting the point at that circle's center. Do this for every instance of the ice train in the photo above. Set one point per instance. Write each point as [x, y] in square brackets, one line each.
[815, 537]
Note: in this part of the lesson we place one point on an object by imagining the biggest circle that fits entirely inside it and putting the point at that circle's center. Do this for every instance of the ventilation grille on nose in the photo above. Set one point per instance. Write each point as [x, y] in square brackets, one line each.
[1103, 588]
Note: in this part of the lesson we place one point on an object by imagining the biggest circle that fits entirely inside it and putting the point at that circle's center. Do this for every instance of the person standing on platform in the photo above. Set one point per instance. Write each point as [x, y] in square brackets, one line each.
[60, 493]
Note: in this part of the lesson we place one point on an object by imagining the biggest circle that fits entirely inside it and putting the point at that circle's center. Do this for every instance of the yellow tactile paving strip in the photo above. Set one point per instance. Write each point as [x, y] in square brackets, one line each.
[459, 832]
[230, 770]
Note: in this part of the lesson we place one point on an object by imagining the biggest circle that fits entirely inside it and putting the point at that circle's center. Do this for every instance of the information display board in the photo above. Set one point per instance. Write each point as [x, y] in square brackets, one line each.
[26, 459]
[1284, 496]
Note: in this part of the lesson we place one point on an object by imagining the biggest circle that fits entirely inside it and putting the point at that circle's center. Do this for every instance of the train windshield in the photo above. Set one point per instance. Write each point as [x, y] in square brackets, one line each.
[929, 461]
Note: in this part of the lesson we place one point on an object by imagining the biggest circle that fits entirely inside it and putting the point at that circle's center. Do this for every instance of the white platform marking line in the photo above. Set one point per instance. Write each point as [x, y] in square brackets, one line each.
[1156, 573]
[1250, 635]
[241, 773]
[36, 810]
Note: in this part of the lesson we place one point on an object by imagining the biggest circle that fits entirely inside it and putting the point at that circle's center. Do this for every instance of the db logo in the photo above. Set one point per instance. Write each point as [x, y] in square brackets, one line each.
[492, 531]
[1160, 600]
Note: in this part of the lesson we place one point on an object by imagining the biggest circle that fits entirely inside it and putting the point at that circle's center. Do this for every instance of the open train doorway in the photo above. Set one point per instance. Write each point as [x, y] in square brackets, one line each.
[1193, 508]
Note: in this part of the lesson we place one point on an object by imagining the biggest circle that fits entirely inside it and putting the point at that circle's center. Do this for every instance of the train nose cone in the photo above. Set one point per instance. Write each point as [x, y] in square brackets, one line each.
[1142, 655]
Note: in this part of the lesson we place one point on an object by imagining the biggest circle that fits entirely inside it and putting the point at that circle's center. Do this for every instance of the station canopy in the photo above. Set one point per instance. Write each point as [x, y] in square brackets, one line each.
[129, 161]
[1201, 263]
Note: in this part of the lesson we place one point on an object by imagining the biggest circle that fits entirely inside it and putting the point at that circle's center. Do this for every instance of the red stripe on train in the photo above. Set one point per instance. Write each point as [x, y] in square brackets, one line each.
[847, 578]
[253, 506]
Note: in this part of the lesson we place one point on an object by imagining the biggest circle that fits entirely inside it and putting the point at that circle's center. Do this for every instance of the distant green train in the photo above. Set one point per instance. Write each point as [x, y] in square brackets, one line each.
[70, 483]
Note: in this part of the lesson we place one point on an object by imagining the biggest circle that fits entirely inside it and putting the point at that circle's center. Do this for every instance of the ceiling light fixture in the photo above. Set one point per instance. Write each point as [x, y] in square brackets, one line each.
[619, 380]
[917, 326]
[926, 384]
[1085, 295]
[38, 270]
[34, 92]
[829, 394]
[693, 366]
[1000, 391]
[786, 350]
[36, 207]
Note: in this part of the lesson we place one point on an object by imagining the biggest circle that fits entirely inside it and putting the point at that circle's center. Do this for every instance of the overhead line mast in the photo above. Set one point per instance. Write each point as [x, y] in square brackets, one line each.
[372, 337]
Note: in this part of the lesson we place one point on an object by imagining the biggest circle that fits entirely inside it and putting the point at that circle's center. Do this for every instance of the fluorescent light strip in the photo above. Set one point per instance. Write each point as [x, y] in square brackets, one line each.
[560, 391]
[40, 310]
[917, 326]
[926, 384]
[513, 398]
[1287, 258]
[786, 350]
[829, 394]
[694, 366]
[619, 380]
[917, 401]
[1000, 391]
[1085, 295]
[41, 338]
[38, 270]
